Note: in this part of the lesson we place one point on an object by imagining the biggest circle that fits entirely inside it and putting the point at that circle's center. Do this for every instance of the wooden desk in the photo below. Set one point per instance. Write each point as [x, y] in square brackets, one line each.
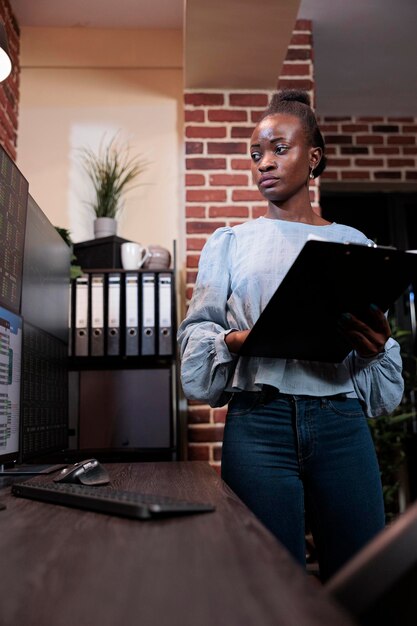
[66, 567]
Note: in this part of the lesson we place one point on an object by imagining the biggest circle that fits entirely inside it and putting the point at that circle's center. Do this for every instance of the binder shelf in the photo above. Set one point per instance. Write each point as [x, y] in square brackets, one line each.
[123, 373]
[123, 313]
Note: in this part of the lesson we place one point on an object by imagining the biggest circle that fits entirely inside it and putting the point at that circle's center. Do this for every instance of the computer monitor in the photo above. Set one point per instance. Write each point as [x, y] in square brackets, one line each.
[45, 306]
[45, 275]
[378, 586]
[13, 208]
[10, 384]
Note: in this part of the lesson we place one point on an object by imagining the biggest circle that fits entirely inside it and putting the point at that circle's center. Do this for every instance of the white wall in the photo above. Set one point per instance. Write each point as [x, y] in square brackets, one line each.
[80, 84]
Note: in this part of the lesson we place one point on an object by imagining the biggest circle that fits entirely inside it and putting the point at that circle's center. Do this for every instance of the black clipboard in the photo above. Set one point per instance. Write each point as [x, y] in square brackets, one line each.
[326, 280]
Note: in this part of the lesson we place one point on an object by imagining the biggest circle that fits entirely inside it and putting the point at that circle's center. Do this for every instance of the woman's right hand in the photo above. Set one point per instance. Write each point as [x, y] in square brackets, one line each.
[235, 339]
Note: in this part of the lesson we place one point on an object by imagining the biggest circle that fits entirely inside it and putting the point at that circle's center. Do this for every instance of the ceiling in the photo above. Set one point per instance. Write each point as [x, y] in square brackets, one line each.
[365, 50]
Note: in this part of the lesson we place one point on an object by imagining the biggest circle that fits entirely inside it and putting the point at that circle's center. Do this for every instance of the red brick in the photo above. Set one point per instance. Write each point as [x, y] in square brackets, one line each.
[384, 150]
[244, 132]
[301, 40]
[204, 99]
[228, 179]
[335, 162]
[400, 119]
[192, 260]
[248, 99]
[331, 150]
[339, 139]
[246, 195]
[411, 176]
[370, 139]
[198, 415]
[385, 128]
[195, 243]
[236, 223]
[326, 175]
[217, 453]
[353, 150]
[199, 228]
[388, 175]
[410, 129]
[355, 128]
[370, 119]
[195, 211]
[409, 150]
[401, 140]
[295, 83]
[369, 162]
[401, 162]
[191, 278]
[194, 115]
[296, 69]
[328, 128]
[303, 25]
[204, 132]
[255, 116]
[298, 54]
[355, 174]
[227, 115]
[336, 118]
[219, 415]
[197, 434]
[206, 195]
[205, 164]
[194, 180]
[194, 147]
[227, 147]
[229, 211]
[240, 164]
[198, 453]
[189, 292]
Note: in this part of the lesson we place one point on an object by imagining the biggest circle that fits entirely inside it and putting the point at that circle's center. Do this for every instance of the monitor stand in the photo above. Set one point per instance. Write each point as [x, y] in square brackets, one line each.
[28, 470]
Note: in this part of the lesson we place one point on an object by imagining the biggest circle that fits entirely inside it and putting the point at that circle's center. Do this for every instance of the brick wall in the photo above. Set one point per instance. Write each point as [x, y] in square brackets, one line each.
[370, 149]
[9, 89]
[219, 190]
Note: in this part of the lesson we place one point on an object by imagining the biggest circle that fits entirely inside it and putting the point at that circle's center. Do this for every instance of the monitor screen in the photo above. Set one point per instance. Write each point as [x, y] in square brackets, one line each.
[10, 376]
[13, 207]
[46, 275]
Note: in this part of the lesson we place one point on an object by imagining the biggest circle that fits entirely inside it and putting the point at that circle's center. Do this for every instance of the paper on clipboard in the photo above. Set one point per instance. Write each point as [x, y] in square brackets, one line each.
[326, 280]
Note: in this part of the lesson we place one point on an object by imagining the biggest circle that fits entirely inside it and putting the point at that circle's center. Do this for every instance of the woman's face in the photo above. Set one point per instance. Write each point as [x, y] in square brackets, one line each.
[281, 158]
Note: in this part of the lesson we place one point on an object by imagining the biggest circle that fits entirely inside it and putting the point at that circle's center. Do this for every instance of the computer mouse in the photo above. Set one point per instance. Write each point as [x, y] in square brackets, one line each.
[88, 472]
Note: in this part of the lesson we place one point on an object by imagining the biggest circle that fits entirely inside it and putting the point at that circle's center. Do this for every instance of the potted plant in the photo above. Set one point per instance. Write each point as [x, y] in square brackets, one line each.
[113, 172]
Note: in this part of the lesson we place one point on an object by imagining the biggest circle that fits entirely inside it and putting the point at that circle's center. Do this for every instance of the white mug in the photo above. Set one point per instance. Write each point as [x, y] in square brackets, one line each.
[133, 255]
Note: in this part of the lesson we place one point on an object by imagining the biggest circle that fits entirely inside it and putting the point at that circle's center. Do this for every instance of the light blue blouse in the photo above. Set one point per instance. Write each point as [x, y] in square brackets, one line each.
[240, 269]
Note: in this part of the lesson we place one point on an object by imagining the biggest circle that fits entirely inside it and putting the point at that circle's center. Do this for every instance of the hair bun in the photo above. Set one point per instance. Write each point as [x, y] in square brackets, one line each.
[294, 95]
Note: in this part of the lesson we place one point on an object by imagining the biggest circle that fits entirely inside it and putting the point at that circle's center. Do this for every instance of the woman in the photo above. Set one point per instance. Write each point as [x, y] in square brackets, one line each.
[296, 437]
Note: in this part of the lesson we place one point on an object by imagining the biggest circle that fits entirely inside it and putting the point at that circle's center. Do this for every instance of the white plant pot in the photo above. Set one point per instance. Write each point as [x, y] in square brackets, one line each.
[104, 227]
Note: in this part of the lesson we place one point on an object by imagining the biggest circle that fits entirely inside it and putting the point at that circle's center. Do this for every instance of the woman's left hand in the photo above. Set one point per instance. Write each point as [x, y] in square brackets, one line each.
[367, 338]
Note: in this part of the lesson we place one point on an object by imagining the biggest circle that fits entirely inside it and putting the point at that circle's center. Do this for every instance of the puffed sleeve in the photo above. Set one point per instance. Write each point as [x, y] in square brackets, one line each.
[206, 363]
[378, 382]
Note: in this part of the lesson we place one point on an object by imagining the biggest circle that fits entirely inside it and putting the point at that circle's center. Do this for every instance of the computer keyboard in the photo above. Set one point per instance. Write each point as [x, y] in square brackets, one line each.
[108, 500]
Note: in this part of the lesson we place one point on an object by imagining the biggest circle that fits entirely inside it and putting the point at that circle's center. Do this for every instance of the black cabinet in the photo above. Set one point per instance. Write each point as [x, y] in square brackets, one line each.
[123, 372]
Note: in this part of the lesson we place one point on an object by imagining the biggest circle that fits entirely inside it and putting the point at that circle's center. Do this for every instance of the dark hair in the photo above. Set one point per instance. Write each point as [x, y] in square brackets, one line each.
[296, 102]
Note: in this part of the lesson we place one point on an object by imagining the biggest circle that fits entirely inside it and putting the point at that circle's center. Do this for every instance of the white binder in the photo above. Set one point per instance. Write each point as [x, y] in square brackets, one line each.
[148, 314]
[165, 314]
[81, 316]
[132, 313]
[97, 315]
[113, 314]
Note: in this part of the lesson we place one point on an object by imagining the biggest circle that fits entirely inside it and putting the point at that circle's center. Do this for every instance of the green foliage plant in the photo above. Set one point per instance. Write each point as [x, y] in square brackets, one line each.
[113, 172]
[391, 432]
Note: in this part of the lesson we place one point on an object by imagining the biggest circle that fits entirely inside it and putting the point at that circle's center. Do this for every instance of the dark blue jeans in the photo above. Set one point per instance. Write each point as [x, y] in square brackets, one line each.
[285, 456]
